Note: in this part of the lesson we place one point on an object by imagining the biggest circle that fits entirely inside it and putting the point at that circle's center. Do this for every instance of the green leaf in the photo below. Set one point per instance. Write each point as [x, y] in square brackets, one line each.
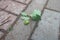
[25, 18]
[24, 14]
[36, 15]
[37, 12]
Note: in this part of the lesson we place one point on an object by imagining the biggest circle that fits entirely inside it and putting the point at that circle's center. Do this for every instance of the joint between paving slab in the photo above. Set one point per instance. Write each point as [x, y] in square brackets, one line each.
[45, 6]
[27, 6]
[19, 2]
[8, 12]
[52, 10]
[36, 24]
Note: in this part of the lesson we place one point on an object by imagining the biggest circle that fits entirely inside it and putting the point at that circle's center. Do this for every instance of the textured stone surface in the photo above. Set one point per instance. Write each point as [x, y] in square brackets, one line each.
[20, 31]
[1, 34]
[6, 20]
[24, 1]
[48, 27]
[36, 4]
[54, 4]
[3, 3]
[15, 7]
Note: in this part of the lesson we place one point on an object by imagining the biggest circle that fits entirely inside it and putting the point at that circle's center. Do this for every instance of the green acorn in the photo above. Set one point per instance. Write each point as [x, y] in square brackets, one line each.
[26, 22]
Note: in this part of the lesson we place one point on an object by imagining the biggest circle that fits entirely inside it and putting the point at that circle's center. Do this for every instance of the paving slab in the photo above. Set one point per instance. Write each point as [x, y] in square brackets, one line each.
[15, 7]
[6, 20]
[23, 1]
[54, 4]
[20, 31]
[35, 4]
[48, 27]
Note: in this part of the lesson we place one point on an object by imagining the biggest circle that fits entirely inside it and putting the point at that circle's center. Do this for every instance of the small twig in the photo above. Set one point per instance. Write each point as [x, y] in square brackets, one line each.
[5, 19]
[5, 22]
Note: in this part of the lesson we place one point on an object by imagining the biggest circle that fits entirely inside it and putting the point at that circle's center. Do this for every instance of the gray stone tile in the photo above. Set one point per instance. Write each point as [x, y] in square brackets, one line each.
[6, 20]
[48, 27]
[54, 4]
[20, 31]
[15, 7]
[36, 4]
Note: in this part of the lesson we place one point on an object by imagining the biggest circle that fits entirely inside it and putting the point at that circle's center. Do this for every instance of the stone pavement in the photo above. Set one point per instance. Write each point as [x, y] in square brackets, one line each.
[46, 29]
